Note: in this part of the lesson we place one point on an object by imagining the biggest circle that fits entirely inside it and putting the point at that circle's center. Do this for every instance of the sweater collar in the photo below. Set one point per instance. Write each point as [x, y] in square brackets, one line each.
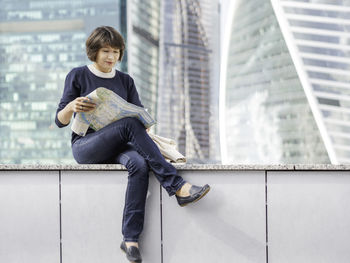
[101, 74]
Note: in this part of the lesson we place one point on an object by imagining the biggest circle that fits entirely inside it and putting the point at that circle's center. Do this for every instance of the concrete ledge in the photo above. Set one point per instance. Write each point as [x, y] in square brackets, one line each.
[181, 167]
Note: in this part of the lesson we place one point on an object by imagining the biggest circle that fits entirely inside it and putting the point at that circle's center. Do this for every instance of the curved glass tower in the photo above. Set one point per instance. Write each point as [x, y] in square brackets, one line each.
[286, 87]
[318, 36]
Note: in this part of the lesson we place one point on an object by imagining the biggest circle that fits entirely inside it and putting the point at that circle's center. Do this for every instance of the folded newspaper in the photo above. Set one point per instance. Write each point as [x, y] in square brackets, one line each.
[168, 148]
[109, 108]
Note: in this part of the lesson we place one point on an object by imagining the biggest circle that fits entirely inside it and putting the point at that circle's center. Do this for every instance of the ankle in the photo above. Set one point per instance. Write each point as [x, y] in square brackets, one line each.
[131, 244]
[184, 190]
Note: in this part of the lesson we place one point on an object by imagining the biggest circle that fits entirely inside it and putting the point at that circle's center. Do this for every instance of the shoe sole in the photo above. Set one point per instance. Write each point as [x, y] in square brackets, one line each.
[199, 198]
[128, 259]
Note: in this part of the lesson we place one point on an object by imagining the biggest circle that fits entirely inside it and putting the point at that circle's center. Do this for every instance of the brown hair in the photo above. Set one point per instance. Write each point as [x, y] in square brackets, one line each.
[101, 37]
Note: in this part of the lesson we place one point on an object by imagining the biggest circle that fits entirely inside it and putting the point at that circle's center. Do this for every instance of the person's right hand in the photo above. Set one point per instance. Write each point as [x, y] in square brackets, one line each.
[82, 104]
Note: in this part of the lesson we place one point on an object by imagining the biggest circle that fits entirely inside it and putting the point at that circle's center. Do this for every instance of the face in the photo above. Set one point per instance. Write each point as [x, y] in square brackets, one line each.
[106, 58]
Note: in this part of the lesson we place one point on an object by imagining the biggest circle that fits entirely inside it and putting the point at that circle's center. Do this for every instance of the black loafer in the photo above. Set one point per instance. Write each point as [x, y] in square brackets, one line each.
[196, 193]
[132, 253]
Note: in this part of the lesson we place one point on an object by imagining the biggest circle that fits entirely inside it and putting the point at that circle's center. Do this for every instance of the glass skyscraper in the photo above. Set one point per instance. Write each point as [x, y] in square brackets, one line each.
[317, 34]
[143, 45]
[189, 77]
[284, 96]
[40, 42]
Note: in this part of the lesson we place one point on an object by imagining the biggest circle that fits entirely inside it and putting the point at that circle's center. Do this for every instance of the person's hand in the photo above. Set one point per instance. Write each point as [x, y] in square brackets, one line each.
[82, 104]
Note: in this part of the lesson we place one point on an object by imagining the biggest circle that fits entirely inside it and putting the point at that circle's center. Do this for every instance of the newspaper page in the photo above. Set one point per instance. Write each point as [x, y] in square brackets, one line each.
[168, 148]
[109, 108]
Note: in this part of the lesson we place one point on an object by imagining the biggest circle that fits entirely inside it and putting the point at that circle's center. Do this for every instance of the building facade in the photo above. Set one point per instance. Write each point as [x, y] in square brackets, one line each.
[40, 42]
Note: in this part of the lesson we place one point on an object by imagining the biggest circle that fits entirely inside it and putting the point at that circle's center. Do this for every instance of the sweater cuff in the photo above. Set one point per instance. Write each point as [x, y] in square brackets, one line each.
[60, 124]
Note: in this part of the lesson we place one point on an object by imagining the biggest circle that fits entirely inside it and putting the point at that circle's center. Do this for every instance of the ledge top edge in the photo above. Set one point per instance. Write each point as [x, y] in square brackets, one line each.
[237, 167]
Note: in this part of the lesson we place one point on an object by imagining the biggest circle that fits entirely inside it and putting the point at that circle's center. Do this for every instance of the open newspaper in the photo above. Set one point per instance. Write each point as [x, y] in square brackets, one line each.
[109, 108]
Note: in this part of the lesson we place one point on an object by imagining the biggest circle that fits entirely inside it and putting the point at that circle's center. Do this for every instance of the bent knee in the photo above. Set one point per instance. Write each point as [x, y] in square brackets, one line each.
[137, 165]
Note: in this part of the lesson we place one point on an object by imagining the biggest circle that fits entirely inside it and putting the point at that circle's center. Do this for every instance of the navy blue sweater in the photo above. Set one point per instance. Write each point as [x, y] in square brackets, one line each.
[81, 81]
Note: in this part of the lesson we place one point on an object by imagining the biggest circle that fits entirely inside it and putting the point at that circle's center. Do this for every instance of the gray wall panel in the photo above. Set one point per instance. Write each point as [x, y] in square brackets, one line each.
[308, 217]
[29, 217]
[227, 225]
[92, 209]
[150, 239]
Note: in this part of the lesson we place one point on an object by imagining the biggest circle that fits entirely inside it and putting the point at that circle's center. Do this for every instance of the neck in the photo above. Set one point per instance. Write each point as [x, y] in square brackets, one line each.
[101, 74]
[102, 70]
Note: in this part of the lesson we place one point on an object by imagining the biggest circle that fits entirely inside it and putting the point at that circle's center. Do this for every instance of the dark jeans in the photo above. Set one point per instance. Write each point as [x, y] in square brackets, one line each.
[127, 142]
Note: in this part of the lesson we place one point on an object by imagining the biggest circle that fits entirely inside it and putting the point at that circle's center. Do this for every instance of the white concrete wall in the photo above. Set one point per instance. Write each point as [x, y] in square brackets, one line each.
[249, 216]
[308, 217]
[29, 217]
[228, 225]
